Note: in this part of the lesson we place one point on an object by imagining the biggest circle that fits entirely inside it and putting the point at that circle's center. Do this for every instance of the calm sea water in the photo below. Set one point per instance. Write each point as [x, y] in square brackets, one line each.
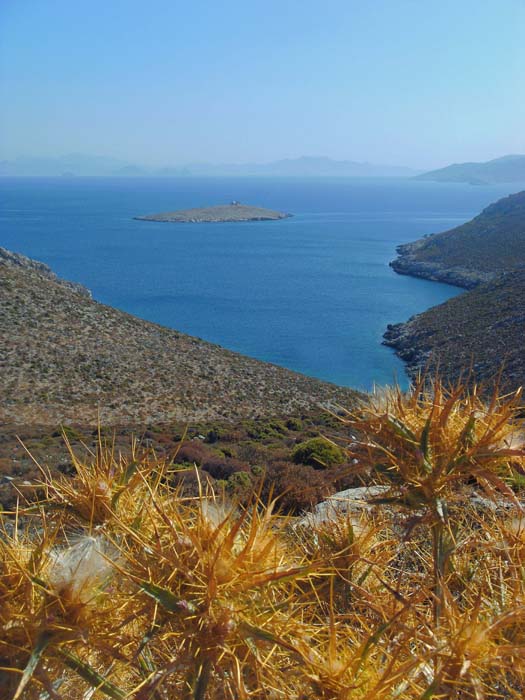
[313, 293]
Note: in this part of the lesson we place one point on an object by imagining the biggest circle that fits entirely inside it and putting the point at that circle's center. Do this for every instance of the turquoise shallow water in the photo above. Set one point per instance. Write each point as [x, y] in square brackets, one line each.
[313, 293]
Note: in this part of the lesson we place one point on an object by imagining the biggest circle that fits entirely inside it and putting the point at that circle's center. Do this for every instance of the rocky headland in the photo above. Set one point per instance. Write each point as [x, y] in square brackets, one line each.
[480, 332]
[222, 213]
[476, 252]
[409, 263]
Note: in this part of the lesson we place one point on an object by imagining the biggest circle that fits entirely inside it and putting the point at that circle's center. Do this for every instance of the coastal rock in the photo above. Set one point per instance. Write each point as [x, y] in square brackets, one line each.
[474, 253]
[477, 334]
[480, 333]
[408, 264]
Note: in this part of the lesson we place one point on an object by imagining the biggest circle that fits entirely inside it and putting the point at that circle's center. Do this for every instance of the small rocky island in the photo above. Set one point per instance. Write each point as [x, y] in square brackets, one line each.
[218, 214]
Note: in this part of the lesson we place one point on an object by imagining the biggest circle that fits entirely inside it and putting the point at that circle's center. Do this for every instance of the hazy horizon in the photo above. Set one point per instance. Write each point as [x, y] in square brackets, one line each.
[167, 84]
[134, 162]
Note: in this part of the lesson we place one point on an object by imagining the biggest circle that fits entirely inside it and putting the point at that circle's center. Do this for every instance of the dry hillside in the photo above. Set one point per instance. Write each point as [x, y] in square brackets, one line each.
[65, 357]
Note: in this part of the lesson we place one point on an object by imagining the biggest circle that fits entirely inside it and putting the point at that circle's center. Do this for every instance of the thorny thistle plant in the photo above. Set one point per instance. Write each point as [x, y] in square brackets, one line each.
[217, 577]
[59, 607]
[428, 444]
[118, 585]
[105, 483]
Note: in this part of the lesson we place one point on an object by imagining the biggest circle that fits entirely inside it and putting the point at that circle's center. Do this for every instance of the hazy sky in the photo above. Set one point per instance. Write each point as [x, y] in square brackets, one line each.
[409, 82]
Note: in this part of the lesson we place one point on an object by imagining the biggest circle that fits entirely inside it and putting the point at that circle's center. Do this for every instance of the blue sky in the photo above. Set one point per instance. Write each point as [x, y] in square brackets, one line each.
[408, 82]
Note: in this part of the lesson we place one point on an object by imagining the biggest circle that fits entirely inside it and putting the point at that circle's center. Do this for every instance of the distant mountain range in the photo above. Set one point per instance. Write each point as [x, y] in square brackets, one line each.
[69, 165]
[307, 166]
[79, 164]
[499, 170]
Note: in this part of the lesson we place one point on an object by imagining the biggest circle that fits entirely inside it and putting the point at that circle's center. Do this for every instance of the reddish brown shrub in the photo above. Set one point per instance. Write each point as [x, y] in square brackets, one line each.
[193, 452]
[299, 487]
[223, 467]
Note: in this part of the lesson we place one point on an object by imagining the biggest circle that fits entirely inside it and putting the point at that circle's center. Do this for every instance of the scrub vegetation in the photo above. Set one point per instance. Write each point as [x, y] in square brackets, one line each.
[117, 583]
[66, 358]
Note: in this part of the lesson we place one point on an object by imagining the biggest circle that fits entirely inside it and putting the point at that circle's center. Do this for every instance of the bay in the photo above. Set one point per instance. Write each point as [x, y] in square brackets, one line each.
[313, 293]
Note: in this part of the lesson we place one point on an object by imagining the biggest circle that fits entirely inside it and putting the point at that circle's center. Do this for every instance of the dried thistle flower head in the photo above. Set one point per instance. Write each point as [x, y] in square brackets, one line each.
[77, 572]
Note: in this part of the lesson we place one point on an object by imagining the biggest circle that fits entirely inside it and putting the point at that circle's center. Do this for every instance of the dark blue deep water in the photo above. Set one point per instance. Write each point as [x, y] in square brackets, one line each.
[313, 293]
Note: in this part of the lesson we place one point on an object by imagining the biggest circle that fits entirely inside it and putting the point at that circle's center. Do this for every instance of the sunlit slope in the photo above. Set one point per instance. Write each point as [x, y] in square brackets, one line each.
[66, 357]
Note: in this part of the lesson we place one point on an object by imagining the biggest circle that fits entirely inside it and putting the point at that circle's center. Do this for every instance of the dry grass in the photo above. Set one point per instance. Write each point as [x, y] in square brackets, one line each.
[116, 585]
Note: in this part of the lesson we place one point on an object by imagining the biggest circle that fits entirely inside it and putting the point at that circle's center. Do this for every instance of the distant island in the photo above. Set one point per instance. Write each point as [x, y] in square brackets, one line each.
[506, 169]
[480, 332]
[218, 214]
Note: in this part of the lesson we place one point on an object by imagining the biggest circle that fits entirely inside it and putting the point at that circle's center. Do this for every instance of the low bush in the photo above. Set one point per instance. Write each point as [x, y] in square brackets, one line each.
[318, 452]
[297, 487]
[193, 452]
[222, 467]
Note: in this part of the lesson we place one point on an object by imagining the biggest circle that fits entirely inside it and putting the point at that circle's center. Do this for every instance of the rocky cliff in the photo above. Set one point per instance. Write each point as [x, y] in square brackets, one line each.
[477, 334]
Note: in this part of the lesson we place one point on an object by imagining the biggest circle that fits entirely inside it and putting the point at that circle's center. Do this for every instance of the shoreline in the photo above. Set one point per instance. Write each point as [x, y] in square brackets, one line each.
[407, 263]
[403, 337]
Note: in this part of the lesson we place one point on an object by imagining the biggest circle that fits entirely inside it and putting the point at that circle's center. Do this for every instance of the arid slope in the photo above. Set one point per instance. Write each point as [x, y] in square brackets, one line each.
[65, 357]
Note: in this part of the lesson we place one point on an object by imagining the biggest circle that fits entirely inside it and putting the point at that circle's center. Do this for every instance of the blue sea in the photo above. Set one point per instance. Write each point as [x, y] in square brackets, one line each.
[313, 293]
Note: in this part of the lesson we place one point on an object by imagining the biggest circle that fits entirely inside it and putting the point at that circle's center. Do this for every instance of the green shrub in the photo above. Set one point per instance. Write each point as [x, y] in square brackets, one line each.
[265, 429]
[318, 452]
[295, 424]
[70, 433]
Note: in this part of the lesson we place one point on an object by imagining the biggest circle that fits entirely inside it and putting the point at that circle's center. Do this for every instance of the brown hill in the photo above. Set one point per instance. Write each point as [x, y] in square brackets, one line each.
[65, 357]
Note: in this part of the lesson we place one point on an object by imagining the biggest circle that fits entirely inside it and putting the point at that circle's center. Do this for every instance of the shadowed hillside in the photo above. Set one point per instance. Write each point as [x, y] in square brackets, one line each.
[482, 330]
[492, 243]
